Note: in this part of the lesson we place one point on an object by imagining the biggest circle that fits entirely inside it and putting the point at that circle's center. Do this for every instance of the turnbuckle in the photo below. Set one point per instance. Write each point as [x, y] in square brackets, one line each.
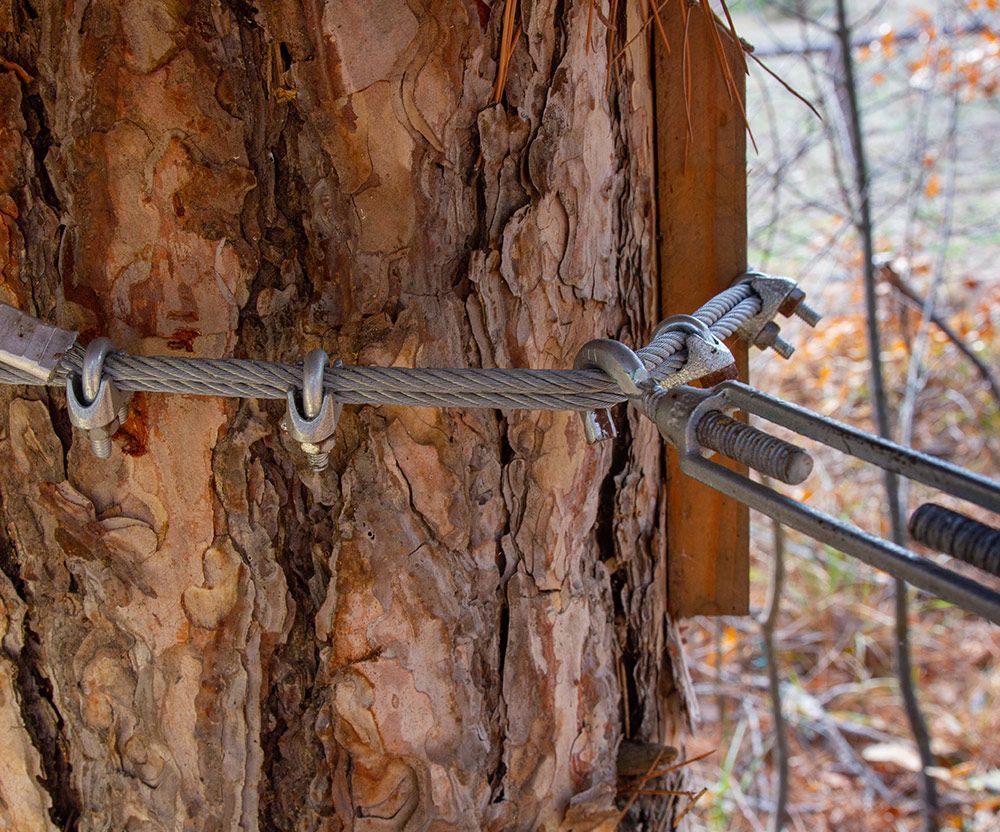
[694, 421]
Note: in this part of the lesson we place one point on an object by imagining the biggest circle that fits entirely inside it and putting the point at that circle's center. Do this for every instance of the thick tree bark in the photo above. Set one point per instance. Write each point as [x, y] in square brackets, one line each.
[433, 633]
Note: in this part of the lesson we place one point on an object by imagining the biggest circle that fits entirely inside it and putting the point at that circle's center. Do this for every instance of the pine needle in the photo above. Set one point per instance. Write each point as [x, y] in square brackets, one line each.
[654, 12]
[653, 772]
[508, 37]
[590, 26]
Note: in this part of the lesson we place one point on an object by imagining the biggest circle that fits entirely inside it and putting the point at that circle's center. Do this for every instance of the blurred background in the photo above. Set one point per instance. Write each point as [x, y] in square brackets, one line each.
[927, 82]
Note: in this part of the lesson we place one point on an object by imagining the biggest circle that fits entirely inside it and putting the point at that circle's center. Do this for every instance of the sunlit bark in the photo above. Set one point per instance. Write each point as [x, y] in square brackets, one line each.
[432, 634]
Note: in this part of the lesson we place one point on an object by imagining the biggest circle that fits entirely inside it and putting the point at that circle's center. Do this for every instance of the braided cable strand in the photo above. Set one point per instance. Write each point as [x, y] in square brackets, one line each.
[422, 387]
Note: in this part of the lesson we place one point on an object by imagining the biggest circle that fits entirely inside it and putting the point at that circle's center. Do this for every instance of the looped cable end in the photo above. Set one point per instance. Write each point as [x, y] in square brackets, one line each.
[709, 360]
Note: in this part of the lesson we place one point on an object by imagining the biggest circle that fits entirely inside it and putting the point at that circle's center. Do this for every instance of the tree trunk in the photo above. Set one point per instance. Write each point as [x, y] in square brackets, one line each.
[434, 633]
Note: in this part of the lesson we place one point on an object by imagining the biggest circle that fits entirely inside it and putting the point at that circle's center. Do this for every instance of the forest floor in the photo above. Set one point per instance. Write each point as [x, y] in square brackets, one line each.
[852, 761]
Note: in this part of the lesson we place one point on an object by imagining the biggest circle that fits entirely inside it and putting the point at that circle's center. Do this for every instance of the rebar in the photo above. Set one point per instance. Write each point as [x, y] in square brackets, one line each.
[955, 534]
[758, 450]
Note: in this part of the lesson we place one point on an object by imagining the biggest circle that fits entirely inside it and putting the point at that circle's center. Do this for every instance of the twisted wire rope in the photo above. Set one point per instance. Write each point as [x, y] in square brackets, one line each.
[422, 387]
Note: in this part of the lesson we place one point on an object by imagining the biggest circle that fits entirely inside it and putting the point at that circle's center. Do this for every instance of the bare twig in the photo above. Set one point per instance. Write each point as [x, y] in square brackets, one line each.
[894, 279]
[808, 713]
[865, 228]
[905, 36]
[768, 622]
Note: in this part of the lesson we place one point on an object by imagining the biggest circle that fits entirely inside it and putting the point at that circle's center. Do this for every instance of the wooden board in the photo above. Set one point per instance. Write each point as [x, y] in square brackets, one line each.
[702, 247]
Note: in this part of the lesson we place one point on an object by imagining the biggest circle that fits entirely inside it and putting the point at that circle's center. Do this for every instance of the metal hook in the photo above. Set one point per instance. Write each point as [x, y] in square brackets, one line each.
[625, 368]
[313, 426]
[96, 405]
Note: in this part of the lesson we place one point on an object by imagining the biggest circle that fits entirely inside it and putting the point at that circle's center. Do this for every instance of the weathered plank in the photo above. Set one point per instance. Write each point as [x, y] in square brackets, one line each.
[701, 171]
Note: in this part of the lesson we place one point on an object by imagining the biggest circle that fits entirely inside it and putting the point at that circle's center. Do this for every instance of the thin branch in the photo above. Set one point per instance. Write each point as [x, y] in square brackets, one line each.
[914, 382]
[865, 229]
[906, 36]
[768, 623]
[892, 277]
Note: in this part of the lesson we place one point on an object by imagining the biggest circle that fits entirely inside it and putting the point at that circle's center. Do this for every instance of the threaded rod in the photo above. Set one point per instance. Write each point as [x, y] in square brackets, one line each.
[754, 448]
[957, 535]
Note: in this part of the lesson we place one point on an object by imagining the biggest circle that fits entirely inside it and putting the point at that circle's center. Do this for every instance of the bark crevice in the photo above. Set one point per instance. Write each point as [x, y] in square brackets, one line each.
[36, 703]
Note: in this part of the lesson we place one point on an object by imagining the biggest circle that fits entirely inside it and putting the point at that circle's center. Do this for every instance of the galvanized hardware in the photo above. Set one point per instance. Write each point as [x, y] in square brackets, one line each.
[708, 359]
[96, 405]
[957, 535]
[313, 426]
[777, 294]
[624, 367]
[678, 412]
[938, 474]
[770, 336]
[697, 419]
[758, 450]
[795, 304]
[30, 345]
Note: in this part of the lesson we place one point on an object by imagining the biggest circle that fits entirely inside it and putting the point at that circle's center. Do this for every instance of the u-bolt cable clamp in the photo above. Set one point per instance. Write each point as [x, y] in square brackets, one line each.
[313, 423]
[688, 418]
[777, 294]
[95, 404]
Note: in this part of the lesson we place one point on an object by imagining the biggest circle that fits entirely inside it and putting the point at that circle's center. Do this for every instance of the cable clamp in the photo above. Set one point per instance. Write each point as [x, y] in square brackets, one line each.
[96, 405]
[312, 416]
[777, 295]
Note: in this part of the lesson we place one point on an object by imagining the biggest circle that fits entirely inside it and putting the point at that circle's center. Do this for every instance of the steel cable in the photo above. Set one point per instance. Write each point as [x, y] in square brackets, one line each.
[422, 387]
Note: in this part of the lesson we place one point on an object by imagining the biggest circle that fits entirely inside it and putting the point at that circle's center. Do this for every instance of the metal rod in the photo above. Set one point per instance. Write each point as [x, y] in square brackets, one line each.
[858, 443]
[957, 535]
[767, 454]
[897, 561]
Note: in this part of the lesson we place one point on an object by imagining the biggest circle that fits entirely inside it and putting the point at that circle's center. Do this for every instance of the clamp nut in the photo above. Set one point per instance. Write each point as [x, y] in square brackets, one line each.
[769, 336]
[795, 304]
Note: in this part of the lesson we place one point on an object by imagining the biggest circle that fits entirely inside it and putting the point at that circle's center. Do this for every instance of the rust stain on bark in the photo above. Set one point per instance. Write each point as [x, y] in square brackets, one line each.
[183, 339]
[134, 433]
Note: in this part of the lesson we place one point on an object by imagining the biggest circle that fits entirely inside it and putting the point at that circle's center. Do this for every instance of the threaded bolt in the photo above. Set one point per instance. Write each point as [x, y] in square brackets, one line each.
[318, 462]
[100, 444]
[795, 304]
[808, 314]
[769, 337]
[955, 534]
[754, 448]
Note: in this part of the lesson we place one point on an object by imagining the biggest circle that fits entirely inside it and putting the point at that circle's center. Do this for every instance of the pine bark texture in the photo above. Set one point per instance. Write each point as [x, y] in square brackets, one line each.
[448, 628]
